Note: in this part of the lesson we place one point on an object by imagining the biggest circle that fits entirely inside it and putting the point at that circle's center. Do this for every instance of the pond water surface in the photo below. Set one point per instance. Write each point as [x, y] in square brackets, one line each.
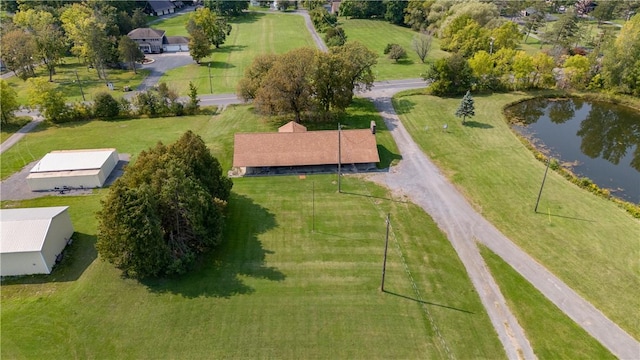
[602, 140]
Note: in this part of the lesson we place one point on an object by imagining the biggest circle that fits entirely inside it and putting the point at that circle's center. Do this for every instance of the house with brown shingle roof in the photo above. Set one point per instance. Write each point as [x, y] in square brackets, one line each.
[295, 148]
[153, 41]
[149, 40]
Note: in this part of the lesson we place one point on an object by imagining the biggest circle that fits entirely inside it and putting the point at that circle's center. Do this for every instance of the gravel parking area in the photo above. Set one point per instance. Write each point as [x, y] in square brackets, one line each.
[16, 188]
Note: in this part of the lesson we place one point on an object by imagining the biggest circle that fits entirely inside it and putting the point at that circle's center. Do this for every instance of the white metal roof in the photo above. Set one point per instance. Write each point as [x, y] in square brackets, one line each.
[67, 160]
[24, 230]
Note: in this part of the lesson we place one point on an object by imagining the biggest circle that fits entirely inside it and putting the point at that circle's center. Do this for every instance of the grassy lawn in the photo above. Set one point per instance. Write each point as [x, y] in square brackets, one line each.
[65, 77]
[297, 276]
[132, 136]
[175, 26]
[552, 334]
[587, 241]
[375, 35]
[6, 130]
[252, 35]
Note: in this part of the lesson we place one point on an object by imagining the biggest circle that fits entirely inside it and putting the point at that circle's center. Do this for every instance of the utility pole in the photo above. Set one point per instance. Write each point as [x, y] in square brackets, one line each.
[339, 156]
[313, 202]
[384, 262]
[542, 185]
[210, 85]
[80, 85]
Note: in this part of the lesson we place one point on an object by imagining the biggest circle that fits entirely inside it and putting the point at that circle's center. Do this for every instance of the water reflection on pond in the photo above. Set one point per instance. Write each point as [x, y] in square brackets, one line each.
[602, 139]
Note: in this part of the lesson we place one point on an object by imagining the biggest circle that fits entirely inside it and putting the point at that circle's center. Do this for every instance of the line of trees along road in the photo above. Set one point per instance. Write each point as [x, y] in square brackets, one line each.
[307, 83]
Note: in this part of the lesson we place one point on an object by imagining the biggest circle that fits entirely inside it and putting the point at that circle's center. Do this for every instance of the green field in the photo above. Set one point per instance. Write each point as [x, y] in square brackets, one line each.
[65, 78]
[375, 35]
[587, 241]
[297, 275]
[132, 136]
[552, 334]
[252, 34]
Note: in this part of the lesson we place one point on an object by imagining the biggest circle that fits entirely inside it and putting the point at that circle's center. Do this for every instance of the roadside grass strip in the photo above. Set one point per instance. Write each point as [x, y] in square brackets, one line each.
[552, 334]
[587, 241]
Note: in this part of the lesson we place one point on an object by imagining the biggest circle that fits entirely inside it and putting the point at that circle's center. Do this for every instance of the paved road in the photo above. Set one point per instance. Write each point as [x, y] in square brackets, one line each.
[161, 64]
[420, 180]
[13, 139]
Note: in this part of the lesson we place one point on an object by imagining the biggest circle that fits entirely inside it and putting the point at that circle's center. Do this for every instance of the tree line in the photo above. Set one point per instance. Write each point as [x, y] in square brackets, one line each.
[307, 83]
[484, 39]
[94, 31]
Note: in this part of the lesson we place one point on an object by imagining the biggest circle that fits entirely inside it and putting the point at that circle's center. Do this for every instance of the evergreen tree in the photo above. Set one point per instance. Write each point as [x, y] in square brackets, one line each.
[165, 210]
[466, 108]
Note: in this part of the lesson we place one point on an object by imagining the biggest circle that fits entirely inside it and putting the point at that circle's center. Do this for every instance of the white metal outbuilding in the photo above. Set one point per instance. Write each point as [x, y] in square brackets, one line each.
[72, 169]
[31, 239]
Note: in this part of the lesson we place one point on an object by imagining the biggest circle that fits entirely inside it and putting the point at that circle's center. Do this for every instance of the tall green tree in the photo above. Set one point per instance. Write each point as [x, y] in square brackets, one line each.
[362, 9]
[227, 7]
[449, 76]
[287, 86]
[335, 36]
[605, 11]
[621, 59]
[49, 41]
[165, 210]
[18, 50]
[415, 14]
[507, 35]
[465, 36]
[535, 20]
[565, 32]
[254, 76]
[89, 32]
[466, 108]
[130, 52]
[576, 71]
[394, 11]
[199, 44]
[48, 99]
[8, 102]
[213, 25]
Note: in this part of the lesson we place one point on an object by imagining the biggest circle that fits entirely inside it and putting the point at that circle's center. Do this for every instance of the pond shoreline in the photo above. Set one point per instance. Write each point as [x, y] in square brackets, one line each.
[532, 142]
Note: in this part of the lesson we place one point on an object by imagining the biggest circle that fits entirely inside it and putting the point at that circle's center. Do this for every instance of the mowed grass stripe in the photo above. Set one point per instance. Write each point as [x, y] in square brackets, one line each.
[587, 241]
[551, 333]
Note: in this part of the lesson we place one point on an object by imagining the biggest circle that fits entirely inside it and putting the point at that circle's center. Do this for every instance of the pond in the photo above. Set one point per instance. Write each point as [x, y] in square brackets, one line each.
[600, 140]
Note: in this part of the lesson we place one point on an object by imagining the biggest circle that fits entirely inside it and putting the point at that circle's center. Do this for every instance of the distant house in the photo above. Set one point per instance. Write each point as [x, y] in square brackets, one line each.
[159, 7]
[149, 40]
[293, 147]
[154, 41]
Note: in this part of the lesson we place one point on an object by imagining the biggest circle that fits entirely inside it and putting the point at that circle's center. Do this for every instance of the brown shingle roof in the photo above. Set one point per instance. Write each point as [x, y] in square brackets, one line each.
[145, 33]
[304, 148]
[292, 126]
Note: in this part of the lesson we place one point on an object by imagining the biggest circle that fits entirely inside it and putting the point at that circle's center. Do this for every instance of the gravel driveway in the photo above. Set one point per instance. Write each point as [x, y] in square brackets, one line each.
[421, 181]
